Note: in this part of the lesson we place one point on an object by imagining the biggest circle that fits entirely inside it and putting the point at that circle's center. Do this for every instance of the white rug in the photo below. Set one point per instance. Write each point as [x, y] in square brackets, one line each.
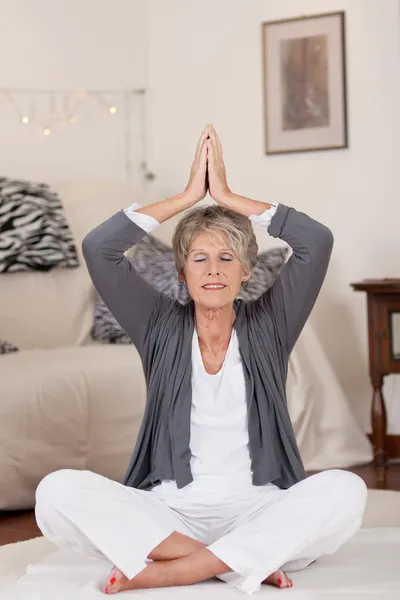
[365, 567]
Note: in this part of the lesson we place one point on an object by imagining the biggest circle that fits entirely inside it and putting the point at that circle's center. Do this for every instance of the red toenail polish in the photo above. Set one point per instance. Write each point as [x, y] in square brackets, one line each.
[280, 581]
[106, 590]
[113, 580]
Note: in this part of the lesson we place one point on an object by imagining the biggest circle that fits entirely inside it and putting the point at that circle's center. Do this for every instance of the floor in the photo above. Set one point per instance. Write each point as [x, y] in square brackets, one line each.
[21, 525]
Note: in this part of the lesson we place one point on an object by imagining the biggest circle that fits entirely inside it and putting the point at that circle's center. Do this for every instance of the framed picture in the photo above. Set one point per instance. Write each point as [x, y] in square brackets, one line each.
[305, 83]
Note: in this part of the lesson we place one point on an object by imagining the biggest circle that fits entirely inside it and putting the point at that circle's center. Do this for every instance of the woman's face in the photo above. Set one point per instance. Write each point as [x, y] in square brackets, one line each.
[210, 260]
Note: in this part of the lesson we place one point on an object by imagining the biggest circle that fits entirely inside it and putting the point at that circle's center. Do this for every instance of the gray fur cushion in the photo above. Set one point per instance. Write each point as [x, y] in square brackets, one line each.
[154, 260]
[106, 327]
[7, 347]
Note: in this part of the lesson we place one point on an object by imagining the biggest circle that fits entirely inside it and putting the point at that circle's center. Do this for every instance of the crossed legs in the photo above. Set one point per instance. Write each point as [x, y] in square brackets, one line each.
[99, 517]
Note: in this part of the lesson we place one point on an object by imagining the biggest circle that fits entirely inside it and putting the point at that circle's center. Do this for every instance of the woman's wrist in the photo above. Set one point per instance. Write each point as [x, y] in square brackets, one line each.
[166, 209]
[188, 198]
[226, 199]
[244, 206]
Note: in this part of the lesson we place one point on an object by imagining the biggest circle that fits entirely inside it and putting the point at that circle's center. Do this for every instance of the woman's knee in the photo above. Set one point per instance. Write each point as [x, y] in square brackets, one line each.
[56, 486]
[346, 490]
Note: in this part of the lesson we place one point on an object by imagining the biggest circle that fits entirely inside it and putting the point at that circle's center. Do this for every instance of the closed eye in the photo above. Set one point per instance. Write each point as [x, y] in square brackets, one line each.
[202, 259]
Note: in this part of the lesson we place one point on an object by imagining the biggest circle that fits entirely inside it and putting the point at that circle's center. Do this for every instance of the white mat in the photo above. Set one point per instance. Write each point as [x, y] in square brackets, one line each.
[367, 566]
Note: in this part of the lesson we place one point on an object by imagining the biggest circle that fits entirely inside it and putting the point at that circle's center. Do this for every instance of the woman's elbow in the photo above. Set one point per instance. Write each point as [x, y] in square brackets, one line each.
[326, 239]
[88, 242]
[88, 246]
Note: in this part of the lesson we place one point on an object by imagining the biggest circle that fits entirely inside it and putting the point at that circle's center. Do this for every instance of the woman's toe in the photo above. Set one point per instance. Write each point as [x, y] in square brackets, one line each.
[115, 582]
[279, 578]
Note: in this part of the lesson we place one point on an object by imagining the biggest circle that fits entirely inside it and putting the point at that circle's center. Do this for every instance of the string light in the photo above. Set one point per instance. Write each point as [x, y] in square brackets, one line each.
[70, 101]
[62, 107]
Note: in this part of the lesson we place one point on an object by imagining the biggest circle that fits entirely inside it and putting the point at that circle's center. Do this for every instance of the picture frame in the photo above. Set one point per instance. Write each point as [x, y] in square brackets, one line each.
[304, 83]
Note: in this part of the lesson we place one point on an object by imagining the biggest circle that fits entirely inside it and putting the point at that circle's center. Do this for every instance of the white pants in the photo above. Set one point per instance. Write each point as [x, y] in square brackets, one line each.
[287, 529]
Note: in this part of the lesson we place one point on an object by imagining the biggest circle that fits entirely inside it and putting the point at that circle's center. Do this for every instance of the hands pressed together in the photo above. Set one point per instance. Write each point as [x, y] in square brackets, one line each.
[208, 172]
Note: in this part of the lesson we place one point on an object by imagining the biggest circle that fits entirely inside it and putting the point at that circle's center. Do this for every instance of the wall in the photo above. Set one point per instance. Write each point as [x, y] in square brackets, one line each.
[205, 66]
[73, 44]
[201, 62]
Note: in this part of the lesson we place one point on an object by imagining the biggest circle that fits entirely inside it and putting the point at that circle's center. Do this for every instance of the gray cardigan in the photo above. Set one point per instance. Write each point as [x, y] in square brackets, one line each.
[161, 330]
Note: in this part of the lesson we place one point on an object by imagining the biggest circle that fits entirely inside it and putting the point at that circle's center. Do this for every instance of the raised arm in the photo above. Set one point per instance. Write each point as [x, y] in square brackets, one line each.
[295, 290]
[130, 298]
[292, 296]
[290, 299]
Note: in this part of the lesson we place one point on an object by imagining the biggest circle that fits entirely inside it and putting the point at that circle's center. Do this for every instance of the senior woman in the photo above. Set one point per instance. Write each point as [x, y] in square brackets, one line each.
[216, 485]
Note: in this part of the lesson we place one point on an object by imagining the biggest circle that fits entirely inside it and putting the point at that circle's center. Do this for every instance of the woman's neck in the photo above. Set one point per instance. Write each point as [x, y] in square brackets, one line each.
[214, 327]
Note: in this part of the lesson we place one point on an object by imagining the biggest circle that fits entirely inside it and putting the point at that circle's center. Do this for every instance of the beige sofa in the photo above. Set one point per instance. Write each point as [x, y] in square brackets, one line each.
[68, 402]
[65, 400]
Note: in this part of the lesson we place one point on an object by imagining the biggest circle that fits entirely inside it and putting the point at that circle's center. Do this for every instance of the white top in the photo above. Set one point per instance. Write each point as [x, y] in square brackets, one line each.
[219, 440]
[219, 431]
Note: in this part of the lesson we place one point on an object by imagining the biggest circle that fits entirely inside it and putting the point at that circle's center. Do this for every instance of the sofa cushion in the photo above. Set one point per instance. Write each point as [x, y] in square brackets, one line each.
[77, 408]
[35, 235]
[106, 327]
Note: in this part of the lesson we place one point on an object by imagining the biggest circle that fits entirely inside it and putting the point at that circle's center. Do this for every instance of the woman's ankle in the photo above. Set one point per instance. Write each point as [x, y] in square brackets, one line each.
[176, 545]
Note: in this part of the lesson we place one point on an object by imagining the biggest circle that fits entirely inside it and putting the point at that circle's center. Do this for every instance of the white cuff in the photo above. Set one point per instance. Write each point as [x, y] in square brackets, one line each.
[265, 218]
[149, 223]
[145, 222]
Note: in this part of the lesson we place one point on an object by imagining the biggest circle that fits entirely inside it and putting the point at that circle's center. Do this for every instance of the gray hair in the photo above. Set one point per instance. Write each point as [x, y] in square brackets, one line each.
[236, 228]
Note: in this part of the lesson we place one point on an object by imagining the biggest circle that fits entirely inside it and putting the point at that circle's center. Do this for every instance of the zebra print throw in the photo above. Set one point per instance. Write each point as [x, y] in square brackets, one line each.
[154, 260]
[6, 347]
[34, 233]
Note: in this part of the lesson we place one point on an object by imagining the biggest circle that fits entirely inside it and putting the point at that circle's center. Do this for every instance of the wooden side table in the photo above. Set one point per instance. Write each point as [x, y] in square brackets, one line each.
[383, 301]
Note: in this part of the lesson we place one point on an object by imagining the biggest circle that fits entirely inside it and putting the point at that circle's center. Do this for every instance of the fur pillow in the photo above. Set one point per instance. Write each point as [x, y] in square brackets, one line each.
[154, 260]
[34, 233]
[106, 327]
[6, 347]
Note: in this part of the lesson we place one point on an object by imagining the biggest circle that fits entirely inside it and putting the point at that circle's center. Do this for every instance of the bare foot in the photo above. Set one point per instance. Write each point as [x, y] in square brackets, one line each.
[279, 578]
[116, 582]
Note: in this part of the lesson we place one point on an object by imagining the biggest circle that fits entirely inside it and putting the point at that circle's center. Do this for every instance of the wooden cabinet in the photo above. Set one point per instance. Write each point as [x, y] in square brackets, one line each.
[383, 302]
